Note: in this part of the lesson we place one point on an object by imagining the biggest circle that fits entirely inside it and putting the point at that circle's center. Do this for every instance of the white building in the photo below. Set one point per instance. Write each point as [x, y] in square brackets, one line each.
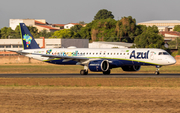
[110, 45]
[68, 26]
[16, 44]
[40, 24]
[163, 25]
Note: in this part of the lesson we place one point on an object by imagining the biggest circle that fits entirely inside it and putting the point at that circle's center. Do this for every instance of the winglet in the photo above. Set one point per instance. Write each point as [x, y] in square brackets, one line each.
[28, 41]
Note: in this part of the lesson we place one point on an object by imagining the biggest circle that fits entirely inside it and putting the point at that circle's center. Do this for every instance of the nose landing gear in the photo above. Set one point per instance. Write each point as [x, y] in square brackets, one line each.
[157, 70]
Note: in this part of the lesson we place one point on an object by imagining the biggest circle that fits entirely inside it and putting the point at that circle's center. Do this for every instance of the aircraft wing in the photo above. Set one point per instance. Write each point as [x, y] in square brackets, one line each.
[63, 57]
[81, 60]
[19, 52]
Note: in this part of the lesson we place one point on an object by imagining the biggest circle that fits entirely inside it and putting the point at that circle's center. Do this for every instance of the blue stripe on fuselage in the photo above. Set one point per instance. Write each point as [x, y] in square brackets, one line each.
[113, 62]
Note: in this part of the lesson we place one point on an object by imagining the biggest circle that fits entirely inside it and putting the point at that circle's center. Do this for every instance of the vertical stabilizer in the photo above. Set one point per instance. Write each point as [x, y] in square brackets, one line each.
[28, 41]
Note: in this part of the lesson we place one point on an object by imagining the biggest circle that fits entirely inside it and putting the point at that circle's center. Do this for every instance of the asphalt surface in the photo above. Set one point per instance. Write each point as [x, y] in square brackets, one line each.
[126, 75]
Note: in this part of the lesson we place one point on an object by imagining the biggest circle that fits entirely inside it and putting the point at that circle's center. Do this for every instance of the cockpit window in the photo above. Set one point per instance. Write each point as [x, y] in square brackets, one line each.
[160, 53]
[163, 53]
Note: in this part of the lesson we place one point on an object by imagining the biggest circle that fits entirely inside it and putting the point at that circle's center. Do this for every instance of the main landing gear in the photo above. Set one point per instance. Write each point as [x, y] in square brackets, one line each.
[107, 72]
[157, 70]
[84, 71]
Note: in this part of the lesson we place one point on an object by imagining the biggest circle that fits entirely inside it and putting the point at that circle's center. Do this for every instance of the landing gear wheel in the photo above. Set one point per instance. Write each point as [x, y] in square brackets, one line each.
[83, 72]
[157, 73]
[107, 72]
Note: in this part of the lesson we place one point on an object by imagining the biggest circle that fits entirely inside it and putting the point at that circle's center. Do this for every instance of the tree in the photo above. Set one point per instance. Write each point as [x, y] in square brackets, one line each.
[125, 28]
[45, 34]
[33, 31]
[6, 32]
[85, 32]
[82, 22]
[177, 28]
[64, 33]
[104, 30]
[75, 30]
[0, 34]
[17, 32]
[103, 14]
[174, 44]
[149, 39]
[139, 29]
[178, 52]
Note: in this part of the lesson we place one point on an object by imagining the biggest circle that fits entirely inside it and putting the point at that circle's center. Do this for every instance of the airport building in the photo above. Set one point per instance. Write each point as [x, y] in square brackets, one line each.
[16, 44]
[40, 24]
[165, 28]
[163, 25]
[68, 26]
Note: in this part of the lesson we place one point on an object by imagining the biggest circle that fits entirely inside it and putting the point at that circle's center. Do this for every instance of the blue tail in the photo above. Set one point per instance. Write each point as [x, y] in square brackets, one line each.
[28, 41]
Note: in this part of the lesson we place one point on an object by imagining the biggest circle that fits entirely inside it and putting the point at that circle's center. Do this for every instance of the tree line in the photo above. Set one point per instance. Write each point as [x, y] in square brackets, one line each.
[8, 33]
[105, 28]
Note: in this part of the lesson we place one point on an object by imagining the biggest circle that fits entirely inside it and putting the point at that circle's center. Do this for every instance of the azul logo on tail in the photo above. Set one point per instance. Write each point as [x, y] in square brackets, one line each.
[28, 39]
[139, 55]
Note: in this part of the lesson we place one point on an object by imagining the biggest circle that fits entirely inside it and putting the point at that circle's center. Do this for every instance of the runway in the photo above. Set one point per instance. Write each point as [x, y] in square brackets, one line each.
[124, 75]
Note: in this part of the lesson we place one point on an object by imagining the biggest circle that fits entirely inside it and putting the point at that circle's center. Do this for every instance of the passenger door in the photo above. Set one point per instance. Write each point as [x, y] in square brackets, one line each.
[152, 55]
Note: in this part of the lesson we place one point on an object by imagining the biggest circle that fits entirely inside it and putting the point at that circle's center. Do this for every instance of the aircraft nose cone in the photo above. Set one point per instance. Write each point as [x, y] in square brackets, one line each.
[172, 61]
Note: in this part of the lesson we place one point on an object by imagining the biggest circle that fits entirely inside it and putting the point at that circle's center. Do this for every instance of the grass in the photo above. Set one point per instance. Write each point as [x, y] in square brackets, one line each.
[34, 95]
[89, 100]
[49, 68]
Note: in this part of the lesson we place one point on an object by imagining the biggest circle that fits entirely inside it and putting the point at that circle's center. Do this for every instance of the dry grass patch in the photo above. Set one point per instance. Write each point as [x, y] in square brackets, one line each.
[89, 99]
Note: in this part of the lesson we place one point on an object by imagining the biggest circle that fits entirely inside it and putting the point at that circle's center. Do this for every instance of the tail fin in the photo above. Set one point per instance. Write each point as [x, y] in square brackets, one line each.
[28, 41]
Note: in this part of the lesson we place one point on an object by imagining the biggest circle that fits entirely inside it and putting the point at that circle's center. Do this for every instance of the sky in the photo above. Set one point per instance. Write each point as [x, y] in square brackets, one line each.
[66, 11]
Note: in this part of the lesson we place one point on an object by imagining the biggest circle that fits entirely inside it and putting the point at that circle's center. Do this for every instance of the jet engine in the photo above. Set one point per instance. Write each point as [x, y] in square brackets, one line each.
[99, 65]
[131, 68]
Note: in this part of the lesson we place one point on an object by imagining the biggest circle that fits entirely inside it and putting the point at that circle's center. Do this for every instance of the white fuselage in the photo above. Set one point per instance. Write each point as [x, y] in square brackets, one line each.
[145, 56]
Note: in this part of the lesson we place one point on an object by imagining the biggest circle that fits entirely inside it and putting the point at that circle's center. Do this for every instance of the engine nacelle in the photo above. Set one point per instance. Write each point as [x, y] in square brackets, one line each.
[99, 65]
[131, 68]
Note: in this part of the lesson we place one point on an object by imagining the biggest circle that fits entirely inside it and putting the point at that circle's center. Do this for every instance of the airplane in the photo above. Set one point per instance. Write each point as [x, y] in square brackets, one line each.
[96, 60]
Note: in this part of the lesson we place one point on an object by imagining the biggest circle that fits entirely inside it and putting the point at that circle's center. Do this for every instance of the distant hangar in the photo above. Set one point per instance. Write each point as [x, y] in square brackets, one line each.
[110, 45]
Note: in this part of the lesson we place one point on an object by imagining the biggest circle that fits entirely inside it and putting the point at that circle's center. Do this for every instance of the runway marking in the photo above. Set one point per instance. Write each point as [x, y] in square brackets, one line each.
[126, 75]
